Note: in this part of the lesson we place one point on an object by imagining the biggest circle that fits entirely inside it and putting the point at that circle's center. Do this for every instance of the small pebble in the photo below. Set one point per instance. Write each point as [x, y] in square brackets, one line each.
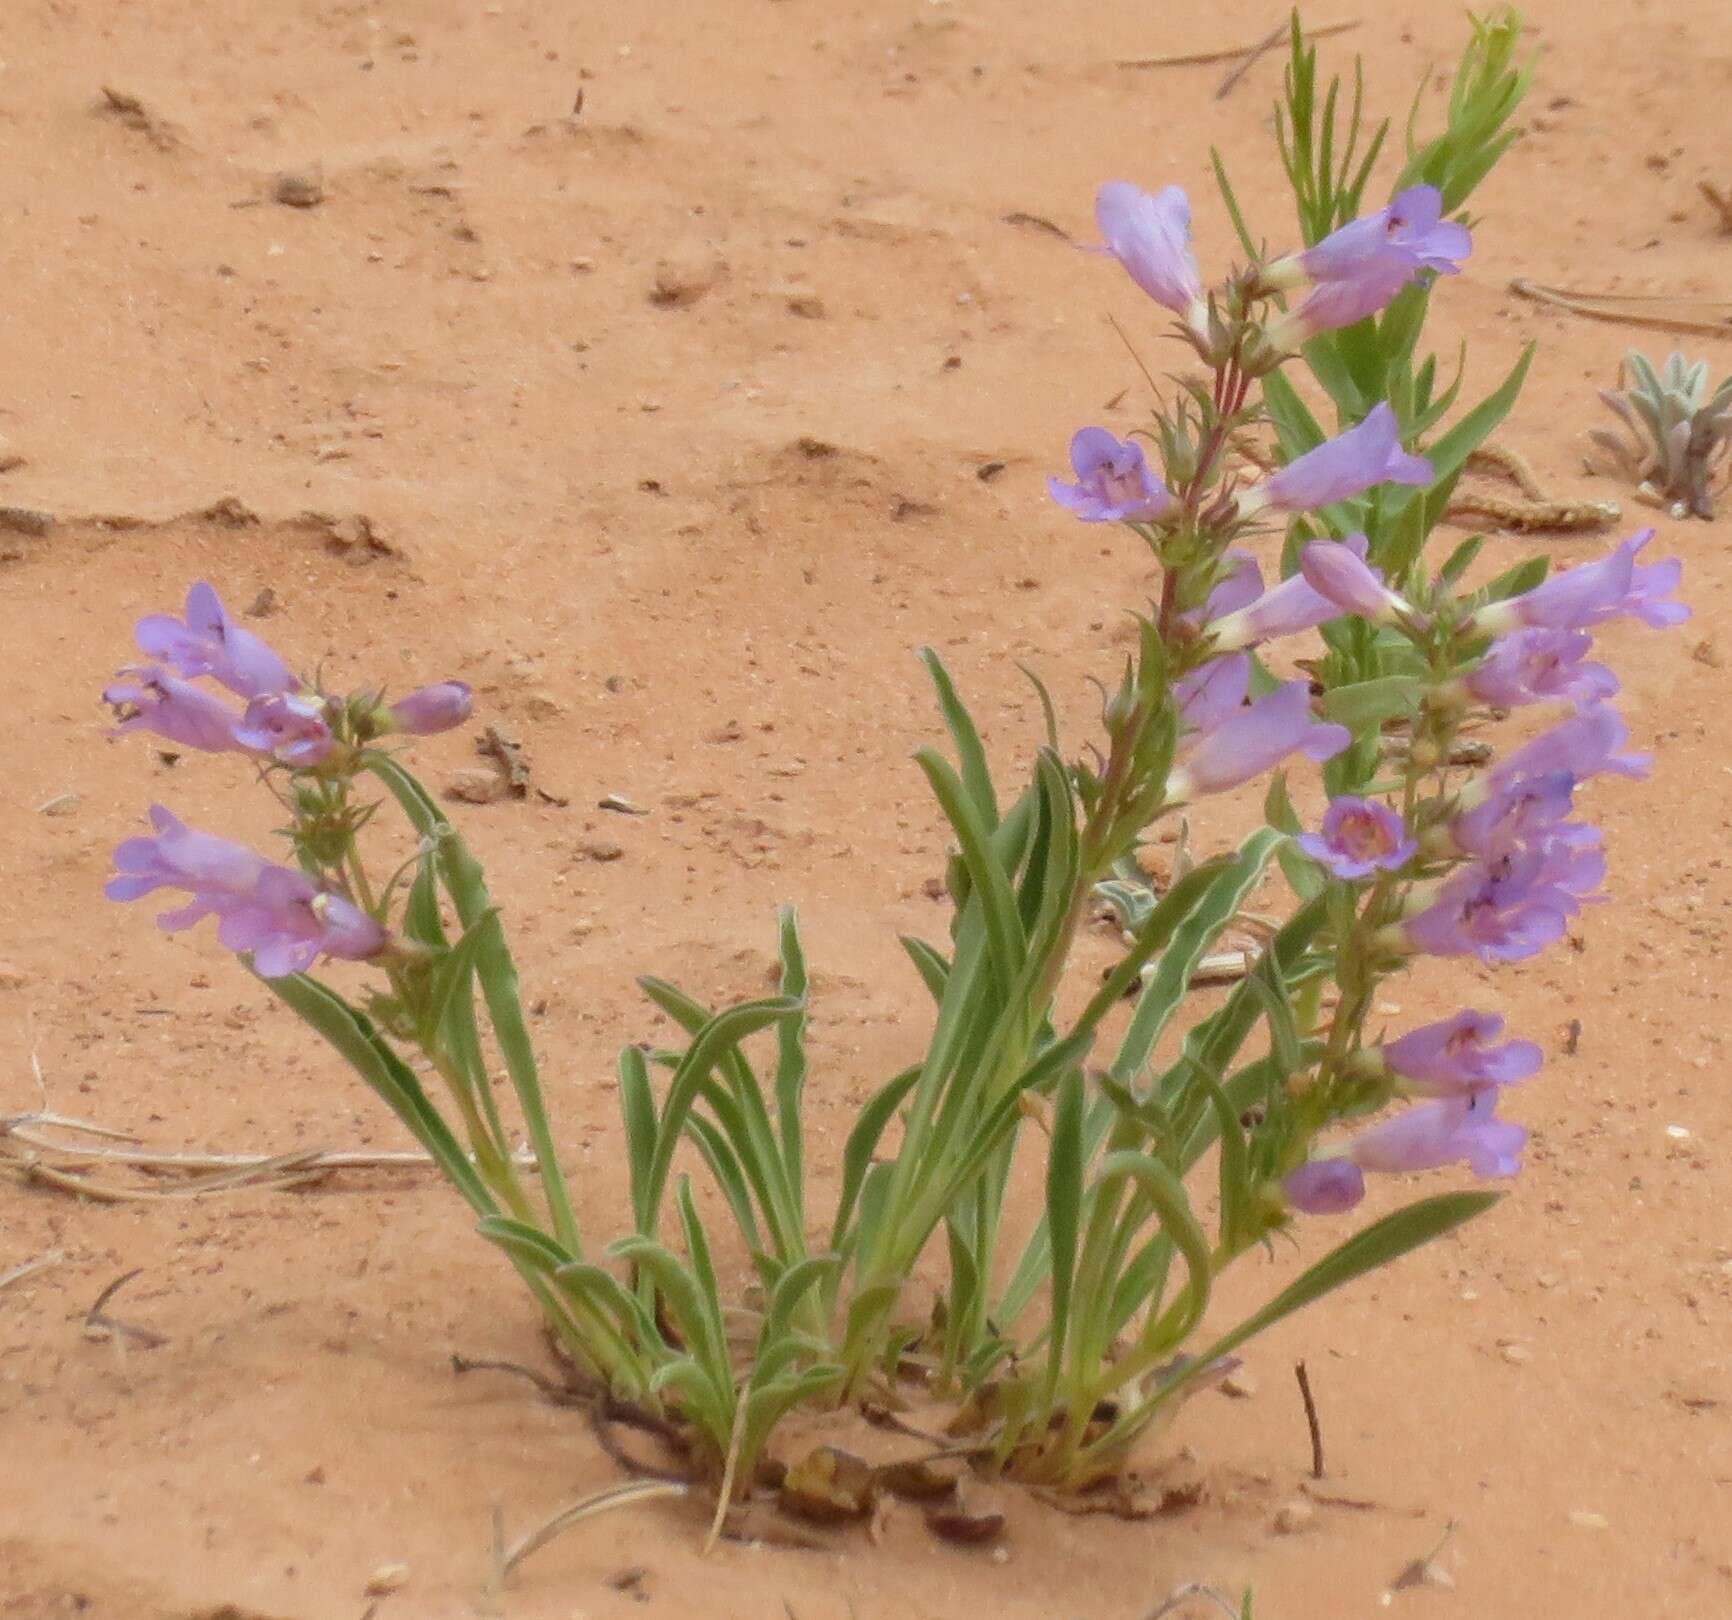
[601, 849]
[1292, 1517]
[387, 1578]
[298, 189]
[1588, 1519]
[683, 277]
[475, 785]
[1517, 1355]
[807, 305]
[1241, 1384]
[12, 978]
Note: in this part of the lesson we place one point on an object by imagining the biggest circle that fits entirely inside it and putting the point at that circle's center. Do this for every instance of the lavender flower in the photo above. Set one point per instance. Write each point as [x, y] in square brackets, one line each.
[1457, 1128]
[1518, 812]
[155, 701]
[1579, 598]
[1328, 1186]
[1212, 692]
[1359, 837]
[1585, 744]
[1114, 482]
[1540, 666]
[1241, 586]
[1283, 610]
[288, 922]
[428, 709]
[1454, 1055]
[209, 642]
[1361, 267]
[289, 726]
[1338, 572]
[1504, 910]
[216, 872]
[1340, 468]
[1250, 741]
[1151, 237]
[282, 916]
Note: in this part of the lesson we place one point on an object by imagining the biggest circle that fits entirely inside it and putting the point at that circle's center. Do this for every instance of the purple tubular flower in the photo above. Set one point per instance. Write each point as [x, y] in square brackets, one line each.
[282, 916]
[1341, 468]
[1151, 237]
[1523, 810]
[1504, 910]
[1283, 610]
[209, 642]
[1328, 1186]
[1114, 481]
[1585, 744]
[1338, 572]
[1239, 589]
[1359, 837]
[1540, 666]
[1579, 598]
[289, 726]
[153, 700]
[1212, 692]
[1453, 1055]
[214, 871]
[428, 709]
[1250, 741]
[1464, 1127]
[1361, 267]
[288, 922]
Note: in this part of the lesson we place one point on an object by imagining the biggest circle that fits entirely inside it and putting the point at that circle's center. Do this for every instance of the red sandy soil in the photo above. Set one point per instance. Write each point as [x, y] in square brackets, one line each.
[685, 553]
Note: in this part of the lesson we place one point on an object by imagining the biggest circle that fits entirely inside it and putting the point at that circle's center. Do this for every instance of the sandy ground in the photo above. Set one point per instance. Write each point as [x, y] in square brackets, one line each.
[684, 550]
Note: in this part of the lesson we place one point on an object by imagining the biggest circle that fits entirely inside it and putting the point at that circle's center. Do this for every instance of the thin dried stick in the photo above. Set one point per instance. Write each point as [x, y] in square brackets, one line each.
[1229, 53]
[41, 1263]
[97, 1321]
[1630, 309]
[1195, 1589]
[615, 1496]
[1252, 57]
[1312, 1422]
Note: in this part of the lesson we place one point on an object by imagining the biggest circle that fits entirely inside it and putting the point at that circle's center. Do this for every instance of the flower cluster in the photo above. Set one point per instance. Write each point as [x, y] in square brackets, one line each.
[1494, 867]
[284, 917]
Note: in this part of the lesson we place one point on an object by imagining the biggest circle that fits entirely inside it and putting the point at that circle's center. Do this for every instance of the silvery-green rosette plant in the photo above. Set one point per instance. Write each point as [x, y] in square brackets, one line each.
[1192, 1137]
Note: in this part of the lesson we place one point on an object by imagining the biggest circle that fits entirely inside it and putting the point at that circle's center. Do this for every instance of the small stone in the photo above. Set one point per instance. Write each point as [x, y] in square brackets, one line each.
[475, 784]
[807, 305]
[601, 849]
[1588, 1519]
[684, 276]
[25, 520]
[11, 977]
[1293, 1517]
[298, 188]
[729, 732]
[1517, 1355]
[386, 1579]
[620, 804]
[1241, 1384]
[933, 888]
[1678, 1133]
[542, 706]
[1708, 652]
[787, 767]
[264, 604]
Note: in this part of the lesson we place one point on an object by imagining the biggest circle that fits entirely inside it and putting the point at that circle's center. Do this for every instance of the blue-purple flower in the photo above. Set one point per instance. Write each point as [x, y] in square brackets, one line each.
[209, 642]
[1359, 837]
[283, 917]
[1338, 572]
[1251, 740]
[1456, 1055]
[429, 709]
[1239, 613]
[1115, 483]
[1585, 744]
[1358, 269]
[1540, 666]
[155, 701]
[1461, 1128]
[1340, 468]
[1579, 598]
[1516, 812]
[1212, 692]
[1151, 237]
[1502, 910]
[290, 726]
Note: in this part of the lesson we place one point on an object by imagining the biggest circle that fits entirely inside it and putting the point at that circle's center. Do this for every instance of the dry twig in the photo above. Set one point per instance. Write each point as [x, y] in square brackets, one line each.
[1231, 52]
[1664, 311]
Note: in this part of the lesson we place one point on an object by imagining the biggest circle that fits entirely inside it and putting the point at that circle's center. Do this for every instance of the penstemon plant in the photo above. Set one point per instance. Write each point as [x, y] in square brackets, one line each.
[1060, 1354]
